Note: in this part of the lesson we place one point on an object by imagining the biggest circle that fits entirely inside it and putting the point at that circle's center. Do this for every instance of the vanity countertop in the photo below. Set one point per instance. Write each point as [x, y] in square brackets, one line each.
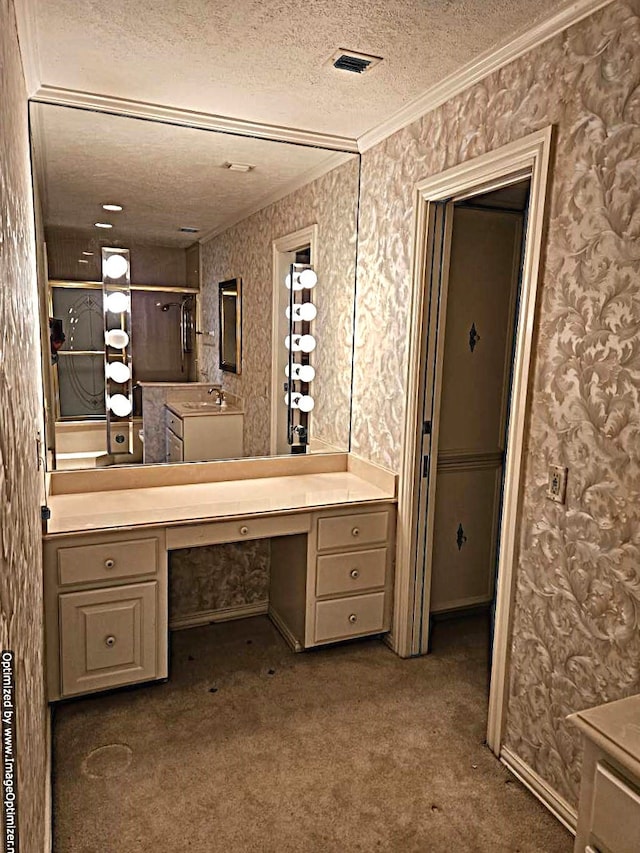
[198, 408]
[615, 727]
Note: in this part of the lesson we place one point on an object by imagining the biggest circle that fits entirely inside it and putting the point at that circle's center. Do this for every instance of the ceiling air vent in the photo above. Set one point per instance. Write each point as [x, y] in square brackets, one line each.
[357, 63]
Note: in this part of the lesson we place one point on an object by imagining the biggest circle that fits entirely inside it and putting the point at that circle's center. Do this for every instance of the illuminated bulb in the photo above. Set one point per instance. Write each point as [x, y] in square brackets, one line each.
[118, 371]
[306, 373]
[308, 279]
[115, 266]
[103, 225]
[296, 281]
[117, 302]
[114, 207]
[120, 405]
[307, 343]
[305, 403]
[295, 398]
[306, 312]
[293, 345]
[116, 338]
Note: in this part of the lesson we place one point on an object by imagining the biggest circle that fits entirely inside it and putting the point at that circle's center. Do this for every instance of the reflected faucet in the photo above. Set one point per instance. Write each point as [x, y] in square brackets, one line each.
[219, 395]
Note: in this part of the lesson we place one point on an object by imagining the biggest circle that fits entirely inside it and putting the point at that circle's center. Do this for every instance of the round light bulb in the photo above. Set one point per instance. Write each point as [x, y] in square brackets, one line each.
[117, 302]
[116, 338]
[305, 403]
[307, 343]
[118, 371]
[115, 266]
[297, 285]
[308, 279]
[295, 398]
[293, 345]
[120, 405]
[306, 373]
[306, 311]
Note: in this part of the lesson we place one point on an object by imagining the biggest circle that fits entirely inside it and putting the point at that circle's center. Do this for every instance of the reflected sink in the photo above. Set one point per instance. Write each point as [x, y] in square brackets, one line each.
[204, 404]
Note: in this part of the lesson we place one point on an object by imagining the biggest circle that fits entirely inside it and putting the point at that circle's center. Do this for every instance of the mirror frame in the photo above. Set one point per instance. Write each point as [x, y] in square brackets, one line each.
[225, 363]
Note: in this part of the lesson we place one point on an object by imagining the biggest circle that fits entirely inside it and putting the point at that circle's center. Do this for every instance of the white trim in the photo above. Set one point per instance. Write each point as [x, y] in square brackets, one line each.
[284, 629]
[549, 798]
[190, 118]
[27, 24]
[282, 245]
[525, 157]
[222, 614]
[334, 160]
[480, 67]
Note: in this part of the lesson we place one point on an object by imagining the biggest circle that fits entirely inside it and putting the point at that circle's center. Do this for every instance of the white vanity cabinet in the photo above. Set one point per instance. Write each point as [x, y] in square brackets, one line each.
[105, 611]
[609, 810]
[343, 586]
[201, 435]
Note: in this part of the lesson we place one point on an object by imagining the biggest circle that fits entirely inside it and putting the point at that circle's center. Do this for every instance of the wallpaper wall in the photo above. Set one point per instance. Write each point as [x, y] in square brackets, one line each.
[245, 250]
[21, 623]
[576, 632]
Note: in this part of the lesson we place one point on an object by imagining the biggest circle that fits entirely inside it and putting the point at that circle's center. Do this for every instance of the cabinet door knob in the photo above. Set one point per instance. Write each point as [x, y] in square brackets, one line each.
[355, 531]
[354, 573]
[110, 641]
[244, 530]
[109, 564]
[353, 618]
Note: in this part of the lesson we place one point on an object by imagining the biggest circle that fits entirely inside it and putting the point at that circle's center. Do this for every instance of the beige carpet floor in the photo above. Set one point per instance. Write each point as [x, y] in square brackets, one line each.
[250, 747]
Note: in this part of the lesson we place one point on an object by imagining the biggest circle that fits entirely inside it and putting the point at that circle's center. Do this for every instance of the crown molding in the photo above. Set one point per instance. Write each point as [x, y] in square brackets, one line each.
[27, 26]
[479, 68]
[331, 162]
[190, 118]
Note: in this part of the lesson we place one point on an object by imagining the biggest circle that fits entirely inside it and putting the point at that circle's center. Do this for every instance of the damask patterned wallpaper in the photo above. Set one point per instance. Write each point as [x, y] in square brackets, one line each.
[21, 624]
[576, 632]
[245, 250]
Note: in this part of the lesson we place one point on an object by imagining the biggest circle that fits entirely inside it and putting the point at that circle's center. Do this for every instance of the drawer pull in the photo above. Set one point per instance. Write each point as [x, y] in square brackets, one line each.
[355, 531]
[244, 530]
[353, 618]
[109, 564]
[354, 573]
[110, 641]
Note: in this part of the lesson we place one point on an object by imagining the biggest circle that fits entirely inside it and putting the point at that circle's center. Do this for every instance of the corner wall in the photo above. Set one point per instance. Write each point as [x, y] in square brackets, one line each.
[21, 613]
[576, 633]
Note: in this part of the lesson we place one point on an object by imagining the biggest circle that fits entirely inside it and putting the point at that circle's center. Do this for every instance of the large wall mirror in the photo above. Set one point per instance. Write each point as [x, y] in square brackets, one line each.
[194, 208]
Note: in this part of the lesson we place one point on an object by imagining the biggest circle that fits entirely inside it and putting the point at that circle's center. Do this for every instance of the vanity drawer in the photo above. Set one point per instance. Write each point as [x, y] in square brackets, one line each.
[349, 617]
[108, 637]
[190, 536]
[351, 572]
[175, 448]
[615, 822]
[344, 531]
[174, 423]
[86, 563]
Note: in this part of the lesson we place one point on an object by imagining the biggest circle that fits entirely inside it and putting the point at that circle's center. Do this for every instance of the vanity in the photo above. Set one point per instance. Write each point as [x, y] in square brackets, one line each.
[330, 520]
[203, 430]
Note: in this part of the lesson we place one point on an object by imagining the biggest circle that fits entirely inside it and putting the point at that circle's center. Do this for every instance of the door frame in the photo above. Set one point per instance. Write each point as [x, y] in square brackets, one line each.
[528, 157]
[283, 245]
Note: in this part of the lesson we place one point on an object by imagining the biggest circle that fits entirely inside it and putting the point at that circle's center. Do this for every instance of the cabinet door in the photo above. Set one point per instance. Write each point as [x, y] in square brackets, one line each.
[175, 448]
[108, 637]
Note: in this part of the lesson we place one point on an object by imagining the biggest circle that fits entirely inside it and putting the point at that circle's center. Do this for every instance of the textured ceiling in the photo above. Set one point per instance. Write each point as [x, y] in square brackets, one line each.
[164, 176]
[268, 61]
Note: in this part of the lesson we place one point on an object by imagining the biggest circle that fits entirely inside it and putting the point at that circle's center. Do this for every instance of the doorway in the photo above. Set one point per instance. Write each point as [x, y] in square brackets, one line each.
[479, 282]
[526, 159]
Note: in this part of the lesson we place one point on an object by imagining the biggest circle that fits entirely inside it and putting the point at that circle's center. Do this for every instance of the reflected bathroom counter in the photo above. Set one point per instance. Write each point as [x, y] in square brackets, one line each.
[104, 500]
[191, 408]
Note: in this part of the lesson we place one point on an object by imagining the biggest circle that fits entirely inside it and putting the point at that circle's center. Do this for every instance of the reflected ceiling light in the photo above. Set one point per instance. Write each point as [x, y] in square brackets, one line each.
[116, 338]
[307, 343]
[293, 345]
[82, 261]
[306, 403]
[308, 279]
[115, 266]
[103, 225]
[120, 405]
[117, 302]
[88, 254]
[118, 371]
[295, 399]
[114, 207]
[303, 372]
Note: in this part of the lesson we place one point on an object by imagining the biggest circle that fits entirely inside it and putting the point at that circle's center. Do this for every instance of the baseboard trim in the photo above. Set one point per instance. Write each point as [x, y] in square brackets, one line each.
[284, 629]
[223, 614]
[549, 798]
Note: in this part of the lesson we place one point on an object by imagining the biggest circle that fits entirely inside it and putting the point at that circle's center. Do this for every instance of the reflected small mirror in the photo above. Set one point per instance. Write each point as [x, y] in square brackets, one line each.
[230, 317]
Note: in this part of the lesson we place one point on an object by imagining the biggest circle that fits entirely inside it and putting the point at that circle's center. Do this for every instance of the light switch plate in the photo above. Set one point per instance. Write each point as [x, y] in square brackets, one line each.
[557, 488]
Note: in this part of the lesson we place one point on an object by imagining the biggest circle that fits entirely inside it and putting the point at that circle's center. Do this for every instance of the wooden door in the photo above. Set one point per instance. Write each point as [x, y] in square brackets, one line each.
[471, 373]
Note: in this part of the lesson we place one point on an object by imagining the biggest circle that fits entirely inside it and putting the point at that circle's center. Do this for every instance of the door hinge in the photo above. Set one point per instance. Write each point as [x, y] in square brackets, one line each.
[425, 466]
[426, 428]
